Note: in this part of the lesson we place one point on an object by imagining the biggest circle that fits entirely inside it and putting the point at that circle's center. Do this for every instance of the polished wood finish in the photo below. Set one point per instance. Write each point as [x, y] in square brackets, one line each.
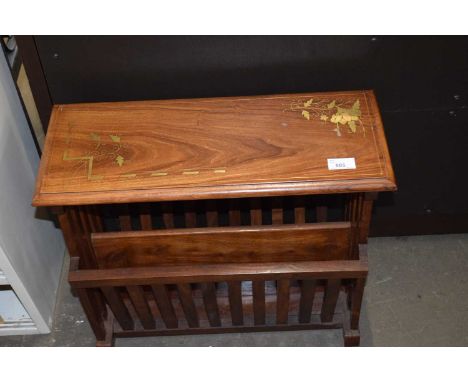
[238, 147]
[326, 241]
[217, 215]
[91, 278]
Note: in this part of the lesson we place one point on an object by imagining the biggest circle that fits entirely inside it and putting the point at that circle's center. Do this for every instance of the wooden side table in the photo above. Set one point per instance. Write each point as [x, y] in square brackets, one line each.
[217, 215]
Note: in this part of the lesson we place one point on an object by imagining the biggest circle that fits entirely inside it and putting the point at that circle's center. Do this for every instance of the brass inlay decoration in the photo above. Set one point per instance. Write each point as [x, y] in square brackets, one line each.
[336, 112]
[110, 146]
[100, 150]
[159, 174]
[120, 160]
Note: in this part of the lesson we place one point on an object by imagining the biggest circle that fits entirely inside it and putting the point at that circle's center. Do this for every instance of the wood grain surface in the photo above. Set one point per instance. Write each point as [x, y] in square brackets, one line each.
[212, 148]
[220, 245]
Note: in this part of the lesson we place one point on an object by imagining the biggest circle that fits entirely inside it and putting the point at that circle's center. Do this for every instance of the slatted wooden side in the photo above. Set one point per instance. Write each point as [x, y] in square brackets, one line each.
[191, 298]
[190, 313]
[253, 211]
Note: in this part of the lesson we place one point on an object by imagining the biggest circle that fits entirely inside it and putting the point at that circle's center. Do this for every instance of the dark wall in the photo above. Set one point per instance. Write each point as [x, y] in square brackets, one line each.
[420, 82]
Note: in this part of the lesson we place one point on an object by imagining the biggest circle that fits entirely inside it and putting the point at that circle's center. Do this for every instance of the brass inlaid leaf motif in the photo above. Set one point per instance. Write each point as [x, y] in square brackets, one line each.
[102, 149]
[120, 160]
[95, 137]
[337, 112]
[308, 103]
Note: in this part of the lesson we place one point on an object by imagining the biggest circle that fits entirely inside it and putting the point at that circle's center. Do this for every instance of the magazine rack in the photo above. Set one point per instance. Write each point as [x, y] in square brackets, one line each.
[217, 215]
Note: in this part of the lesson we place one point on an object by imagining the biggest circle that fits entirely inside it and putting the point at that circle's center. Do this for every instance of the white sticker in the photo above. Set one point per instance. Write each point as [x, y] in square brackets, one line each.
[341, 163]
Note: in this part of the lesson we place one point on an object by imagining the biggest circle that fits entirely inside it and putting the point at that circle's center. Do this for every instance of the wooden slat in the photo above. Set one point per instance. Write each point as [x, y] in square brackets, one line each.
[282, 301]
[91, 309]
[75, 221]
[258, 291]
[357, 292]
[188, 306]
[190, 214]
[211, 304]
[344, 269]
[70, 232]
[255, 211]
[299, 210]
[167, 215]
[366, 213]
[234, 212]
[94, 218]
[124, 218]
[322, 212]
[140, 304]
[332, 291]
[84, 220]
[118, 307]
[307, 242]
[228, 329]
[165, 306]
[145, 217]
[307, 299]
[211, 213]
[235, 302]
[277, 211]
[353, 215]
[77, 238]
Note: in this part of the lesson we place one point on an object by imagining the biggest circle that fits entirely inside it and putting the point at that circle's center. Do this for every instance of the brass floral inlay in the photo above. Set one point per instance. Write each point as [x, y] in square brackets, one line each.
[103, 147]
[110, 147]
[335, 112]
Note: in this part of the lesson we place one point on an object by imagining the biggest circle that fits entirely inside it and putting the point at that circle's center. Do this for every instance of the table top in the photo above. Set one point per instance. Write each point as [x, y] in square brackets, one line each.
[229, 147]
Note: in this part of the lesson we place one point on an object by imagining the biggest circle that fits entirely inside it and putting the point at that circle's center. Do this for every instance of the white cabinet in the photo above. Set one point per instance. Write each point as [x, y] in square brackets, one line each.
[31, 247]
